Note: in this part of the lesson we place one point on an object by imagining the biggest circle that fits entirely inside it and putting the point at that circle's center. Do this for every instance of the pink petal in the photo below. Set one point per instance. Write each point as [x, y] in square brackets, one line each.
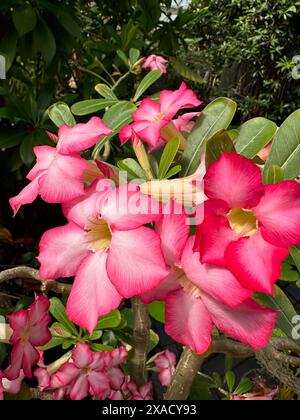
[44, 156]
[170, 284]
[151, 133]
[135, 262]
[18, 322]
[188, 321]
[219, 283]
[82, 356]
[126, 208]
[235, 180]
[30, 358]
[214, 235]
[16, 358]
[165, 377]
[38, 311]
[81, 136]
[149, 110]
[63, 180]
[61, 251]
[13, 387]
[173, 231]
[172, 102]
[99, 384]
[26, 196]
[255, 262]
[249, 323]
[67, 374]
[80, 388]
[92, 295]
[127, 132]
[279, 214]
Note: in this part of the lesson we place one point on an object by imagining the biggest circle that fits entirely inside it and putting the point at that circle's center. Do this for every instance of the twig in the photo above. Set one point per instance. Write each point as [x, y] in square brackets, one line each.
[140, 341]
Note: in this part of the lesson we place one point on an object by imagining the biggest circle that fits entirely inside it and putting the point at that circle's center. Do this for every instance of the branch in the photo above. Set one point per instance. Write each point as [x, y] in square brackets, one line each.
[31, 273]
[140, 341]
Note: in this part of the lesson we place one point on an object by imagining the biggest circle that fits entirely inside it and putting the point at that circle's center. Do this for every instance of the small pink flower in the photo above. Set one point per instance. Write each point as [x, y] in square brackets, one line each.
[184, 122]
[199, 296]
[248, 227]
[58, 174]
[143, 392]
[166, 363]
[10, 387]
[108, 250]
[30, 330]
[84, 375]
[156, 62]
[152, 116]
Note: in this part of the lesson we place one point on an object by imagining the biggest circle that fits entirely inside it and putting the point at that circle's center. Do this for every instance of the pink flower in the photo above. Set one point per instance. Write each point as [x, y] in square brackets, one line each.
[166, 363]
[58, 174]
[84, 375]
[184, 122]
[152, 116]
[143, 392]
[30, 330]
[248, 227]
[10, 387]
[156, 62]
[107, 248]
[199, 296]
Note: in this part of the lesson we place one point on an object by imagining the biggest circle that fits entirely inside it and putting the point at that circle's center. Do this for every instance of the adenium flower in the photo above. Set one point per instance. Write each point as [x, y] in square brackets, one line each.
[30, 330]
[156, 62]
[58, 174]
[84, 374]
[108, 250]
[166, 363]
[153, 116]
[199, 296]
[248, 227]
[10, 387]
[184, 122]
[141, 393]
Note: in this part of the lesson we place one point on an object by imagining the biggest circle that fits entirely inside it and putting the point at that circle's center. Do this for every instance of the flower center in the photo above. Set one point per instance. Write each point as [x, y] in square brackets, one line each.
[85, 371]
[159, 117]
[25, 336]
[99, 235]
[243, 222]
[188, 286]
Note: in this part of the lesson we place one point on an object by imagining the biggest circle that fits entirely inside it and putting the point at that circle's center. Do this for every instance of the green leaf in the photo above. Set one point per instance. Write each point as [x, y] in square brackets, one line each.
[112, 320]
[285, 151]
[173, 171]
[11, 137]
[97, 334]
[90, 106]
[100, 347]
[153, 341]
[58, 311]
[254, 135]
[233, 134]
[106, 92]
[26, 149]
[295, 253]
[132, 167]
[288, 274]
[123, 57]
[168, 156]
[216, 116]
[24, 19]
[54, 342]
[60, 114]
[8, 47]
[134, 55]
[186, 73]
[44, 41]
[201, 389]
[148, 81]
[216, 146]
[287, 311]
[230, 380]
[157, 311]
[274, 175]
[244, 387]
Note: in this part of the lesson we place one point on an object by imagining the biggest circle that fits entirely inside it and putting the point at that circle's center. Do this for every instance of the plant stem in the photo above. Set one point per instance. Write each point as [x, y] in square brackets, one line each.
[140, 340]
[185, 374]
[120, 80]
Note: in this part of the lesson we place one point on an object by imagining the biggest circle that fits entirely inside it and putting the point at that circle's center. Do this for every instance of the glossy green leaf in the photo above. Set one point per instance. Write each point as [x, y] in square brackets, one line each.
[106, 92]
[132, 167]
[168, 156]
[254, 135]
[295, 253]
[216, 146]
[274, 175]
[215, 117]
[25, 19]
[61, 114]
[148, 81]
[26, 149]
[153, 341]
[112, 320]
[90, 106]
[201, 389]
[230, 380]
[100, 347]
[58, 311]
[157, 310]
[173, 171]
[54, 342]
[134, 55]
[285, 151]
[11, 137]
[244, 387]
[123, 57]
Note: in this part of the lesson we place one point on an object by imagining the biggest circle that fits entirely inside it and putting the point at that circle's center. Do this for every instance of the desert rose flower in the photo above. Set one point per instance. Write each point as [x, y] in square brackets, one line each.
[156, 62]
[166, 363]
[84, 374]
[30, 330]
[201, 296]
[58, 174]
[248, 227]
[10, 387]
[185, 122]
[143, 392]
[153, 116]
[108, 250]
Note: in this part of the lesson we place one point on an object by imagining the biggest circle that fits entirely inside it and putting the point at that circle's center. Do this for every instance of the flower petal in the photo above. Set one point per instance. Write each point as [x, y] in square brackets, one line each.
[82, 356]
[135, 262]
[172, 102]
[92, 294]
[26, 196]
[30, 358]
[61, 251]
[16, 358]
[170, 284]
[279, 214]
[148, 111]
[80, 388]
[188, 321]
[81, 136]
[99, 384]
[67, 374]
[235, 180]
[218, 282]
[255, 262]
[18, 321]
[44, 156]
[249, 323]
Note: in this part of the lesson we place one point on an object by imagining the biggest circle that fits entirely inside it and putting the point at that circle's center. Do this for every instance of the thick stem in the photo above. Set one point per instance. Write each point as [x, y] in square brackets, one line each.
[140, 341]
[185, 374]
